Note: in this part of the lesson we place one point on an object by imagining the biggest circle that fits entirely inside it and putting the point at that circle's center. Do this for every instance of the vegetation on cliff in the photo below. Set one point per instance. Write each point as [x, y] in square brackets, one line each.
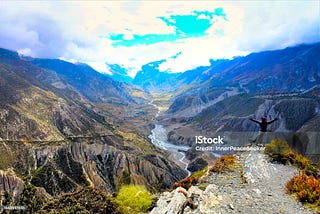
[281, 152]
[133, 199]
[85, 200]
[223, 164]
[30, 198]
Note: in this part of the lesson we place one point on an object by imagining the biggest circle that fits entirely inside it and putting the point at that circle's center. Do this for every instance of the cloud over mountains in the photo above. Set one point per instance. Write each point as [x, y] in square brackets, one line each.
[133, 33]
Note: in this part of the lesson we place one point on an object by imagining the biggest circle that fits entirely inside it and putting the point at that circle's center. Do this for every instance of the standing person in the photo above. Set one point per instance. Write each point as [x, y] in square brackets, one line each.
[263, 127]
[263, 123]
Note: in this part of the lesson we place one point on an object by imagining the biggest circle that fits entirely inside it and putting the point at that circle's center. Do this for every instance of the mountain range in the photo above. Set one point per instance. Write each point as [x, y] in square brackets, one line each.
[65, 127]
[292, 69]
[222, 98]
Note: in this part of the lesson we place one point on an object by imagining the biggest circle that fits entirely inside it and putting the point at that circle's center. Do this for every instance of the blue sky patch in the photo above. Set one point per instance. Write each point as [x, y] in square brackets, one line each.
[193, 25]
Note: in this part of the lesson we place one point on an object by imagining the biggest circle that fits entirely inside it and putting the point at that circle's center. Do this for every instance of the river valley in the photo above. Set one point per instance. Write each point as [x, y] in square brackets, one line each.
[159, 138]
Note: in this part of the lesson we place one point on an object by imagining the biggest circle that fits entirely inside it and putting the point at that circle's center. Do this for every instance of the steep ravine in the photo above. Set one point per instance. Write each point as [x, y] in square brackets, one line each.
[102, 162]
[105, 165]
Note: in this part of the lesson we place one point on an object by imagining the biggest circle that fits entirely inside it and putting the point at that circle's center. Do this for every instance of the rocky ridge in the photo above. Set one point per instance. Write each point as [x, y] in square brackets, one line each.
[10, 183]
[254, 186]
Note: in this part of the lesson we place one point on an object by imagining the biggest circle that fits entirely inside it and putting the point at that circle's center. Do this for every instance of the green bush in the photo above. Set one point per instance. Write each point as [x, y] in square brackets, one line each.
[303, 163]
[133, 199]
[279, 151]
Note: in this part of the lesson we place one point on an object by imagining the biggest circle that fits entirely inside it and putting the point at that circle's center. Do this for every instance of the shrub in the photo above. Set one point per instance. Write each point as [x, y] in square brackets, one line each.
[197, 175]
[306, 185]
[279, 151]
[305, 164]
[223, 164]
[191, 180]
[133, 199]
[203, 186]
[306, 188]
[187, 182]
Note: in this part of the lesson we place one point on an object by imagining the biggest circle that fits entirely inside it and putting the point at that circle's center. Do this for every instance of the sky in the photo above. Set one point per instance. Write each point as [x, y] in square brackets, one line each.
[187, 34]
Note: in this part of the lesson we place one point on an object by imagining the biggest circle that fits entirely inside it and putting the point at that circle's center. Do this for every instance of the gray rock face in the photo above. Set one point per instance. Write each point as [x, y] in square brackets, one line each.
[103, 166]
[106, 165]
[10, 183]
[171, 203]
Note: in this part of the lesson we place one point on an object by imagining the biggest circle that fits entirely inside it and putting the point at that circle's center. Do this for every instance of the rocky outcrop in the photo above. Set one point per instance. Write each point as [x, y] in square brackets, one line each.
[191, 104]
[102, 162]
[113, 167]
[10, 183]
[105, 165]
[171, 202]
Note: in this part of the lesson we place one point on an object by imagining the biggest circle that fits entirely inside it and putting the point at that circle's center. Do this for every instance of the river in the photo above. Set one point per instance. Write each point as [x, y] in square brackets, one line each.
[159, 138]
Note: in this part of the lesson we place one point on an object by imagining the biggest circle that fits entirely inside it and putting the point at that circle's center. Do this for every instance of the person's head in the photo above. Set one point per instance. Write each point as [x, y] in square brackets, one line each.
[263, 119]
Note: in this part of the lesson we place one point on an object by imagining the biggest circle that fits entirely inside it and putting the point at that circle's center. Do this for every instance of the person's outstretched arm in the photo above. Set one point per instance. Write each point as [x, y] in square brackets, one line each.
[256, 121]
[275, 119]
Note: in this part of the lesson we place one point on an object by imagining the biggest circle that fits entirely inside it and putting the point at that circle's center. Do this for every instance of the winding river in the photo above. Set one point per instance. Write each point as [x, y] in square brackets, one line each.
[159, 138]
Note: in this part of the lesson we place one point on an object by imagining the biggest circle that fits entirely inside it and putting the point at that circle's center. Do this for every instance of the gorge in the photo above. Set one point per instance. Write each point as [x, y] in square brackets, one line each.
[159, 138]
[66, 127]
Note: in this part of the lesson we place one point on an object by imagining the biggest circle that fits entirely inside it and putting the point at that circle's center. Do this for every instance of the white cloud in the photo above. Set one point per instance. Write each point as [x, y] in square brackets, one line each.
[100, 66]
[73, 30]
[25, 52]
[251, 27]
